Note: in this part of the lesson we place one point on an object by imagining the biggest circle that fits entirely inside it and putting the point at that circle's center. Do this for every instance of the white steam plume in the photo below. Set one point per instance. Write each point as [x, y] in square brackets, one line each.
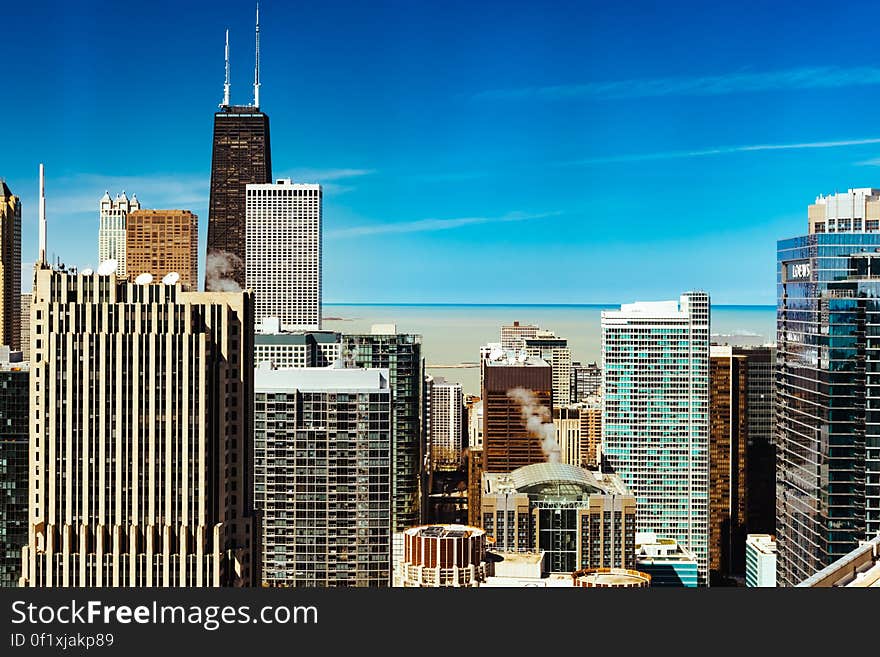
[219, 269]
[536, 417]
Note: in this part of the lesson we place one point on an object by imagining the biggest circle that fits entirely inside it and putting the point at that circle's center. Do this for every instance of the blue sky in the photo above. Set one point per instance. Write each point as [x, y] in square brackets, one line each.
[496, 152]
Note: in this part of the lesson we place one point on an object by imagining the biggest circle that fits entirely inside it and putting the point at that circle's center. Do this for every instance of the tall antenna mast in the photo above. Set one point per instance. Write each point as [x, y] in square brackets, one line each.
[257, 64]
[226, 84]
[42, 216]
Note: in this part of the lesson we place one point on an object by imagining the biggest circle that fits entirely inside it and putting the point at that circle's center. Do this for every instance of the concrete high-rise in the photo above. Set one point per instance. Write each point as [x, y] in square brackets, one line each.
[517, 421]
[655, 414]
[828, 438]
[446, 430]
[159, 242]
[513, 335]
[728, 444]
[556, 353]
[10, 267]
[241, 155]
[283, 252]
[14, 391]
[323, 476]
[141, 432]
[113, 215]
[401, 355]
[586, 381]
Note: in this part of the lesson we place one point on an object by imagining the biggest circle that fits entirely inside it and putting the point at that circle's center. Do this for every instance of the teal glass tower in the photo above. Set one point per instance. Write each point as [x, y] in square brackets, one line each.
[655, 415]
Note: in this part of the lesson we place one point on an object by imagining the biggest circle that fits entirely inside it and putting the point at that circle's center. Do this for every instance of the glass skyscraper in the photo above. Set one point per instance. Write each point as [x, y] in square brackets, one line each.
[401, 355]
[655, 415]
[828, 373]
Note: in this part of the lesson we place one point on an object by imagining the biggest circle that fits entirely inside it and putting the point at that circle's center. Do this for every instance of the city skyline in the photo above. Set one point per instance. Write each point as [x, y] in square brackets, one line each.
[461, 148]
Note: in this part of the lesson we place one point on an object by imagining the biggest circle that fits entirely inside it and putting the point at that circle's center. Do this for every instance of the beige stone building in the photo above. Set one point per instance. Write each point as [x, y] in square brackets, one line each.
[140, 435]
[159, 242]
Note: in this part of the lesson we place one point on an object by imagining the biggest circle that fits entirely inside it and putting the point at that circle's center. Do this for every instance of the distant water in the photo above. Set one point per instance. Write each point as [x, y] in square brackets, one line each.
[453, 334]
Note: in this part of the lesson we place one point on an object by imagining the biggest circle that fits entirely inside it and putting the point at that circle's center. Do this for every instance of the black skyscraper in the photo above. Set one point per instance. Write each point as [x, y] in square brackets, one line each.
[241, 156]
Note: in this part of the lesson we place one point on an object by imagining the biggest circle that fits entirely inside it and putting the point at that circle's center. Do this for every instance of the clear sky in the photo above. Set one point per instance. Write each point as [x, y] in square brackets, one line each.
[500, 152]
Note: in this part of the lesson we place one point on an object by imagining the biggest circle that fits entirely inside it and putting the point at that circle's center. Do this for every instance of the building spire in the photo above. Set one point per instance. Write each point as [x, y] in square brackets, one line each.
[257, 64]
[42, 261]
[226, 84]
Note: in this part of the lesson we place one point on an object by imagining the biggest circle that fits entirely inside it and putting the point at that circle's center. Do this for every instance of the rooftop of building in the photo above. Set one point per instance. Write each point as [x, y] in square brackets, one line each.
[858, 569]
[284, 183]
[764, 543]
[611, 577]
[445, 531]
[651, 549]
[320, 379]
[513, 359]
[553, 480]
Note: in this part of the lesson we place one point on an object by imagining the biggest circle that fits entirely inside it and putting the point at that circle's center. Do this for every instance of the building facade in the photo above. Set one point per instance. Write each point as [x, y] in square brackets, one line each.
[510, 440]
[586, 381]
[14, 391]
[283, 252]
[323, 476]
[579, 432]
[401, 355]
[655, 414]
[555, 352]
[140, 435]
[728, 444]
[513, 335]
[580, 519]
[828, 432]
[241, 155]
[10, 267]
[25, 323]
[113, 214]
[287, 349]
[159, 242]
[445, 424]
[760, 560]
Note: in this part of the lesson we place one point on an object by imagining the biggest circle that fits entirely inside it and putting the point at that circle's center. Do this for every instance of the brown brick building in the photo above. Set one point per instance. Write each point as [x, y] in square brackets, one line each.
[507, 442]
[162, 241]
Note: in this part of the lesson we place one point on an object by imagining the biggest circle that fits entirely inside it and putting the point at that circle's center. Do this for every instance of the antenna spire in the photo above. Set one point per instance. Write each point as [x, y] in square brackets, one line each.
[257, 64]
[42, 216]
[226, 84]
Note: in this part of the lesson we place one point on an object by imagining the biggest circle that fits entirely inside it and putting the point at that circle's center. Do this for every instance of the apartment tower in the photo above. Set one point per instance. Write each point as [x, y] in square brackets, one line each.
[159, 242]
[655, 414]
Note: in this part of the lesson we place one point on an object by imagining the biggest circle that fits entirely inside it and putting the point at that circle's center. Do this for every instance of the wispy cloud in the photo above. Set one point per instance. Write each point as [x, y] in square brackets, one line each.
[670, 155]
[430, 225]
[869, 163]
[743, 81]
[322, 175]
[327, 178]
[81, 193]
